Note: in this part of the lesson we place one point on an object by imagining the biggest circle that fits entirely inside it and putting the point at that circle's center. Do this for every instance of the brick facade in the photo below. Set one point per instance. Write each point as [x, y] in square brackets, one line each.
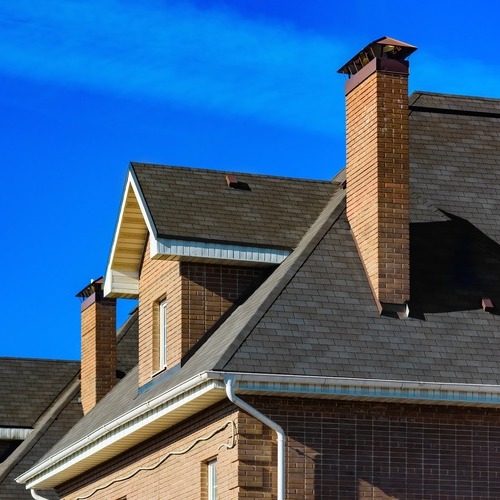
[178, 477]
[378, 181]
[98, 373]
[197, 294]
[350, 450]
[335, 450]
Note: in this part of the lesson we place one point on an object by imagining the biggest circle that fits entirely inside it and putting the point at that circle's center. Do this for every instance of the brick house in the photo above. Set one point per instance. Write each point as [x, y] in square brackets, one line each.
[305, 339]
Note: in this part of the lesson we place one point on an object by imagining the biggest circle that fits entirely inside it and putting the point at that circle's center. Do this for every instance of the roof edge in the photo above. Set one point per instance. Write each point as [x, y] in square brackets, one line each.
[45, 473]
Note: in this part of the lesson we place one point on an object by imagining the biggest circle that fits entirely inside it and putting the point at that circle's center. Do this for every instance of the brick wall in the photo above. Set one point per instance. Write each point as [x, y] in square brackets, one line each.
[209, 292]
[98, 344]
[335, 450]
[197, 296]
[349, 450]
[158, 279]
[178, 477]
[378, 181]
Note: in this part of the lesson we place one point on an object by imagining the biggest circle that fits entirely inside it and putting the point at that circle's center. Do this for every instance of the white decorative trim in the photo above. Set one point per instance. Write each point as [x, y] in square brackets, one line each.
[123, 432]
[131, 185]
[14, 433]
[219, 251]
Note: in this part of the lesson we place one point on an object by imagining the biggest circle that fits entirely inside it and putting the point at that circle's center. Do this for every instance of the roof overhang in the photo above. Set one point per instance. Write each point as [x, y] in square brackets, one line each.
[207, 388]
[135, 224]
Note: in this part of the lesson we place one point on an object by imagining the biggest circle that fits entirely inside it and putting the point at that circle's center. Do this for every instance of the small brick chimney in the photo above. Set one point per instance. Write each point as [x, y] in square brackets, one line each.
[377, 169]
[98, 370]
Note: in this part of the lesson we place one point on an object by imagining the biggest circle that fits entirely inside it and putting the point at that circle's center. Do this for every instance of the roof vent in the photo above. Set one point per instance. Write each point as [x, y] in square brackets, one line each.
[95, 286]
[487, 304]
[233, 182]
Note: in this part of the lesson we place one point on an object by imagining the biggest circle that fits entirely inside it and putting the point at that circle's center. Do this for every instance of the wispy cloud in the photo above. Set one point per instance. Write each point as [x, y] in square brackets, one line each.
[212, 59]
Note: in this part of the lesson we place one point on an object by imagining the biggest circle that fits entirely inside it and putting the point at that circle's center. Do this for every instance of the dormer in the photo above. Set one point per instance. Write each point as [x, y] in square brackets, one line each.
[191, 244]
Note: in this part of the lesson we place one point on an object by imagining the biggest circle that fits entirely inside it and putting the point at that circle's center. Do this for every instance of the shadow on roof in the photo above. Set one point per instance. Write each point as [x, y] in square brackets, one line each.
[453, 266]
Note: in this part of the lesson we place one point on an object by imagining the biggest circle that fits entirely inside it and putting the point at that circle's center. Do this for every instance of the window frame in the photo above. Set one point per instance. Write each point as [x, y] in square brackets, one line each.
[162, 335]
[212, 479]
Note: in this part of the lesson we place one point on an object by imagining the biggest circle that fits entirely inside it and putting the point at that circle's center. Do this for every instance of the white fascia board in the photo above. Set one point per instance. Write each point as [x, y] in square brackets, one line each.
[14, 433]
[131, 184]
[363, 389]
[218, 251]
[122, 433]
[105, 441]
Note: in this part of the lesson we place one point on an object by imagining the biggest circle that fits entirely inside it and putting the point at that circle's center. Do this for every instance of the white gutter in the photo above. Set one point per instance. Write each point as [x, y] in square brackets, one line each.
[100, 434]
[36, 496]
[355, 388]
[229, 381]
[251, 383]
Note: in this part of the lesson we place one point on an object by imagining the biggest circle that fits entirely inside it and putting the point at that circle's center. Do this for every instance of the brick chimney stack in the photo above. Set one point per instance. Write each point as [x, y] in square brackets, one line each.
[98, 369]
[378, 168]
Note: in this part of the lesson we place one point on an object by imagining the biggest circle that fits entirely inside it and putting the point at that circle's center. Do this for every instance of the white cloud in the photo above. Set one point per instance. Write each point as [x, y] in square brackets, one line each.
[211, 59]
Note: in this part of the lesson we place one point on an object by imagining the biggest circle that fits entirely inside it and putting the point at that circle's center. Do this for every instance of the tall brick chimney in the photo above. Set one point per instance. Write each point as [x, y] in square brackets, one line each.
[98, 371]
[378, 168]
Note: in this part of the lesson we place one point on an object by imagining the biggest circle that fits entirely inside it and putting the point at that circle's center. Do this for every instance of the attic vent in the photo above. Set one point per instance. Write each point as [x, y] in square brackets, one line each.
[487, 304]
[232, 182]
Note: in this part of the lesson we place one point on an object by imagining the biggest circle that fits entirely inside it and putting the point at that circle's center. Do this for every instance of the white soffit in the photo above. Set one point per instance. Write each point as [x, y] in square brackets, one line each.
[134, 225]
[113, 438]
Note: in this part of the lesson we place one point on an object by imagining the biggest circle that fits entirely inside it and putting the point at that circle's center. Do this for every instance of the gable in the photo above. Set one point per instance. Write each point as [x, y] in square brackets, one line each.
[194, 215]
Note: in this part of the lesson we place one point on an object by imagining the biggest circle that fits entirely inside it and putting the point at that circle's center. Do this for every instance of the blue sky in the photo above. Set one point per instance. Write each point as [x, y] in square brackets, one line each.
[248, 85]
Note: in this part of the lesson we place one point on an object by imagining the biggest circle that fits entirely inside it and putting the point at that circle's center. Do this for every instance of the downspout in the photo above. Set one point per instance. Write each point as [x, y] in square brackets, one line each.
[36, 496]
[229, 381]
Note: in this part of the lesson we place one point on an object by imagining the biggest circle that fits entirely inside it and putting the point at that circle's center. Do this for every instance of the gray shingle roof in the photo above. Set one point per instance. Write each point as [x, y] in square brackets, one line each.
[29, 386]
[315, 315]
[197, 204]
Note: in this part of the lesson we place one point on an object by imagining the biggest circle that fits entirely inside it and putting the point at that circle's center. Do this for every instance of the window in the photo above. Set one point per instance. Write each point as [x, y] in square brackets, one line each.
[212, 479]
[163, 335]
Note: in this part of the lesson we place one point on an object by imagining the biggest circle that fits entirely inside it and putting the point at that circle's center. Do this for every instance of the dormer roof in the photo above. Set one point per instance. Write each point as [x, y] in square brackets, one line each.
[196, 214]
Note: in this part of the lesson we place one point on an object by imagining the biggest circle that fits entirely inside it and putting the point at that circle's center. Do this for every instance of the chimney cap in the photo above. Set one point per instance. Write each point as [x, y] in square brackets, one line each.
[384, 47]
[91, 288]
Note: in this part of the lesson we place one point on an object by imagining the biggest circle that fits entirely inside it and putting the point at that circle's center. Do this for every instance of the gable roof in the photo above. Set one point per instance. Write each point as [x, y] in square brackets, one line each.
[194, 214]
[319, 296]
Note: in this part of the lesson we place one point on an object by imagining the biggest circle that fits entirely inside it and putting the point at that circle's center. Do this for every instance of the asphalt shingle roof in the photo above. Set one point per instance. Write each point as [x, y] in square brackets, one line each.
[315, 314]
[198, 204]
[29, 386]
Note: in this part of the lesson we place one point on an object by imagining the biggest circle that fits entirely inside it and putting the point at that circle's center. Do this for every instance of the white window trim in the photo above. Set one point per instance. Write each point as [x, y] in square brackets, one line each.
[212, 479]
[162, 339]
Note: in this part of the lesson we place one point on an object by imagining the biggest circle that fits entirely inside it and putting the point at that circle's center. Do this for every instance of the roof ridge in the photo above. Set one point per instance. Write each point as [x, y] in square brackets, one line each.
[454, 96]
[44, 360]
[134, 164]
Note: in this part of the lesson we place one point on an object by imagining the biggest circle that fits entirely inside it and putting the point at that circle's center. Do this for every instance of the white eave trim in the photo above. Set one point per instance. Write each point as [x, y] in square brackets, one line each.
[218, 251]
[372, 389]
[112, 438]
[14, 433]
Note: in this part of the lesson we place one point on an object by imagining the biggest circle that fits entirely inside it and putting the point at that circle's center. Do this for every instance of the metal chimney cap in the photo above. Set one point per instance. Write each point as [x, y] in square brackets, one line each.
[384, 47]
